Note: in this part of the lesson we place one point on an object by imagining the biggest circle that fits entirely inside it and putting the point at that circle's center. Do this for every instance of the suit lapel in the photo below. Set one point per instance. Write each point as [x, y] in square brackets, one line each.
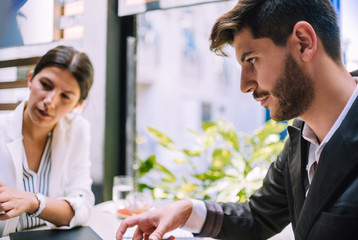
[338, 159]
[295, 166]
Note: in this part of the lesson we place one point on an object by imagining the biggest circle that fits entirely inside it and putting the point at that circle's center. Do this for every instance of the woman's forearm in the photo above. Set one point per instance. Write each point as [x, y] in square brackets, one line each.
[58, 212]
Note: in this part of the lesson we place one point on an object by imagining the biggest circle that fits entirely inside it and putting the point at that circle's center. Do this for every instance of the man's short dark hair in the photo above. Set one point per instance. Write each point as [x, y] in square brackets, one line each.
[275, 19]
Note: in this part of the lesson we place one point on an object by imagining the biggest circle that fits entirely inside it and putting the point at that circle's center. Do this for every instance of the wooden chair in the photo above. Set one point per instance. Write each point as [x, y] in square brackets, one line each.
[18, 83]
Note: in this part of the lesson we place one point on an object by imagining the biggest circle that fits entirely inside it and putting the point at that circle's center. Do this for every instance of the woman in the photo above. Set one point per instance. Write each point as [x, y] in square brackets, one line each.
[44, 147]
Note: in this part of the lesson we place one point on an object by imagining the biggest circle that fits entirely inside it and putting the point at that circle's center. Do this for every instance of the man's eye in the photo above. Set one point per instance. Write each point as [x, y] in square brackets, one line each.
[252, 60]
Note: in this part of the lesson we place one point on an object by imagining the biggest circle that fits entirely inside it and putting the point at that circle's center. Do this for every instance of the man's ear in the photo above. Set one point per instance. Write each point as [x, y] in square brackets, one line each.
[305, 40]
[29, 78]
[78, 108]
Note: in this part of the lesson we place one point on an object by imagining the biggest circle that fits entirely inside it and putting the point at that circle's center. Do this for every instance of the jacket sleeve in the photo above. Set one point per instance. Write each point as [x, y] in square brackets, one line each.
[264, 215]
[77, 179]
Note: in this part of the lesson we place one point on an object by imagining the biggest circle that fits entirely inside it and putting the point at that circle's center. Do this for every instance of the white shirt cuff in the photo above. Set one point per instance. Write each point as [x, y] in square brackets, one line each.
[197, 217]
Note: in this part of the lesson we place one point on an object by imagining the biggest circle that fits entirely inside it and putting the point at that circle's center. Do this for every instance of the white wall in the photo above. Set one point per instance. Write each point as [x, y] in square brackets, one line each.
[95, 45]
[29, 23]
[349, 20]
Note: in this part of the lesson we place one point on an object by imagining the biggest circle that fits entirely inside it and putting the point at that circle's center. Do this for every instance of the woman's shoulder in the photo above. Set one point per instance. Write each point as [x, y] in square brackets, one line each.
[74, 124]
[3, 122]
[9, 121]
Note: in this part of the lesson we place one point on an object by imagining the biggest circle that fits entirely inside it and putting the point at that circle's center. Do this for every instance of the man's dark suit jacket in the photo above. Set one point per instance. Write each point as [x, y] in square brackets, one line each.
[330, 210]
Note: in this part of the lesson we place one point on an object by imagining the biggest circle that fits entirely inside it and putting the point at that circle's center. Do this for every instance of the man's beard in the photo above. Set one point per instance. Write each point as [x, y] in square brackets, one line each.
[294, 91]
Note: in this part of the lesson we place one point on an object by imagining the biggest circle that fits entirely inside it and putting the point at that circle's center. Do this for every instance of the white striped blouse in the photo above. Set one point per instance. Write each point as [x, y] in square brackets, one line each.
[36, 183]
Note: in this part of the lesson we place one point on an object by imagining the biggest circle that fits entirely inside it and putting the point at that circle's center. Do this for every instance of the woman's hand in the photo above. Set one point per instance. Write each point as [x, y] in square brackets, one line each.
[154, 224]
[13, 203]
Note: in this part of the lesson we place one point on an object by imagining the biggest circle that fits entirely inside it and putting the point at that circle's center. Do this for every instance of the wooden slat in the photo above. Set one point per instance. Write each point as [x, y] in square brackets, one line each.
[20, 83]
[8, 106]
[19, 62]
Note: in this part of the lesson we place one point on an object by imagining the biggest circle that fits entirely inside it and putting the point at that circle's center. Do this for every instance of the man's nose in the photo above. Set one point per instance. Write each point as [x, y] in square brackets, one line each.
[248, 82]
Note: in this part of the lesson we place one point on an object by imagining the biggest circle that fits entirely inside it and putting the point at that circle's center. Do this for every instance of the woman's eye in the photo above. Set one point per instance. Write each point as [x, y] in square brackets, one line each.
[252, 60]
[45, 84]
[65, 96]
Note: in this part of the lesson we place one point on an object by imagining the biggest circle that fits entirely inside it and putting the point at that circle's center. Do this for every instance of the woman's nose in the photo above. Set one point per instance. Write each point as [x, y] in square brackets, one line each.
[49, 100]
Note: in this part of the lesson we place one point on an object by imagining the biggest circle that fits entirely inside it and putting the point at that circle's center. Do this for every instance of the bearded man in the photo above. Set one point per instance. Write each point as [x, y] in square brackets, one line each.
[290, 55]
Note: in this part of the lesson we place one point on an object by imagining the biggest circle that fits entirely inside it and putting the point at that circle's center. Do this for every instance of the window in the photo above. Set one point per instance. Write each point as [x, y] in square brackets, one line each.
[181, 83]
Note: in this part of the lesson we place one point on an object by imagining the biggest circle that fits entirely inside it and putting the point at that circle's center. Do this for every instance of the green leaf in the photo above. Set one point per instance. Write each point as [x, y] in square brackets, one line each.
[147, 165]
[231, 138]
[188, 187]
[210, 130]
[201, 177]
[217, 186]
[238, 162]
[196, 133]
[227, 131]
[266, 153]
[158, 193]
[192, 153]
[150, 164]
[234, 170]
[170, 177]
[271, 127]
[221, 157]
[231, 192]
[162, 139]
[181, 160]
[210, 175]
[142, 186]
[207, 125]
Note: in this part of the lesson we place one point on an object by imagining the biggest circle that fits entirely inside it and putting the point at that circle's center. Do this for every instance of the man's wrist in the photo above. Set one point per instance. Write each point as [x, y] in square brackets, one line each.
[197, 217]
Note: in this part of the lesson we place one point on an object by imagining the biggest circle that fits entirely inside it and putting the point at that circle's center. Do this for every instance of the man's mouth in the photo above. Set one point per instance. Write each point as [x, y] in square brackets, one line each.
[262, 99]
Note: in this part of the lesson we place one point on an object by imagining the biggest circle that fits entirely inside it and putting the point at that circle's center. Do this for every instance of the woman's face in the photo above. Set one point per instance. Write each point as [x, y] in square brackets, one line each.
[54, 93]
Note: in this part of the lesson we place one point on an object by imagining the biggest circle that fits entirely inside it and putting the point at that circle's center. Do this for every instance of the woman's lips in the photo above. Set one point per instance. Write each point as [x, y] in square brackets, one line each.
[43, 113]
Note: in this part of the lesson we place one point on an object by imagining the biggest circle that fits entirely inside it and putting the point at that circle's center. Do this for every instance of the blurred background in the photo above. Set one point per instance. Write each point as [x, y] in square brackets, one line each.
[152, 66]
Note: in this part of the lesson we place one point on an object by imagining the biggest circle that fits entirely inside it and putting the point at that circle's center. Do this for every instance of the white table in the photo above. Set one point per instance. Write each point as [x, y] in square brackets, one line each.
[104, 221]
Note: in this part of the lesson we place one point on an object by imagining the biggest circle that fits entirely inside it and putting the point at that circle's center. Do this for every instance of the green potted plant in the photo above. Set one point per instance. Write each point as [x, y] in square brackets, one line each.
[236, 163]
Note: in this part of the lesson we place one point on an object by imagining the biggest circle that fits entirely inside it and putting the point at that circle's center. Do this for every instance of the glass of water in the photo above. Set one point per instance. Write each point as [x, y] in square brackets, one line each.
[122, 186]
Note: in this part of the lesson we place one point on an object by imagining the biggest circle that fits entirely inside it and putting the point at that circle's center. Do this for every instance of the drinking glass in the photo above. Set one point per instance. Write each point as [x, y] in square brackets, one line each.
[138, 202]
[122, 186]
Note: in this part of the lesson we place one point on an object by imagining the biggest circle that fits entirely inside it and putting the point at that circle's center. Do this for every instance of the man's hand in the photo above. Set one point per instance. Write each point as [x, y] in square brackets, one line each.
[13, 203]
[154, 224]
